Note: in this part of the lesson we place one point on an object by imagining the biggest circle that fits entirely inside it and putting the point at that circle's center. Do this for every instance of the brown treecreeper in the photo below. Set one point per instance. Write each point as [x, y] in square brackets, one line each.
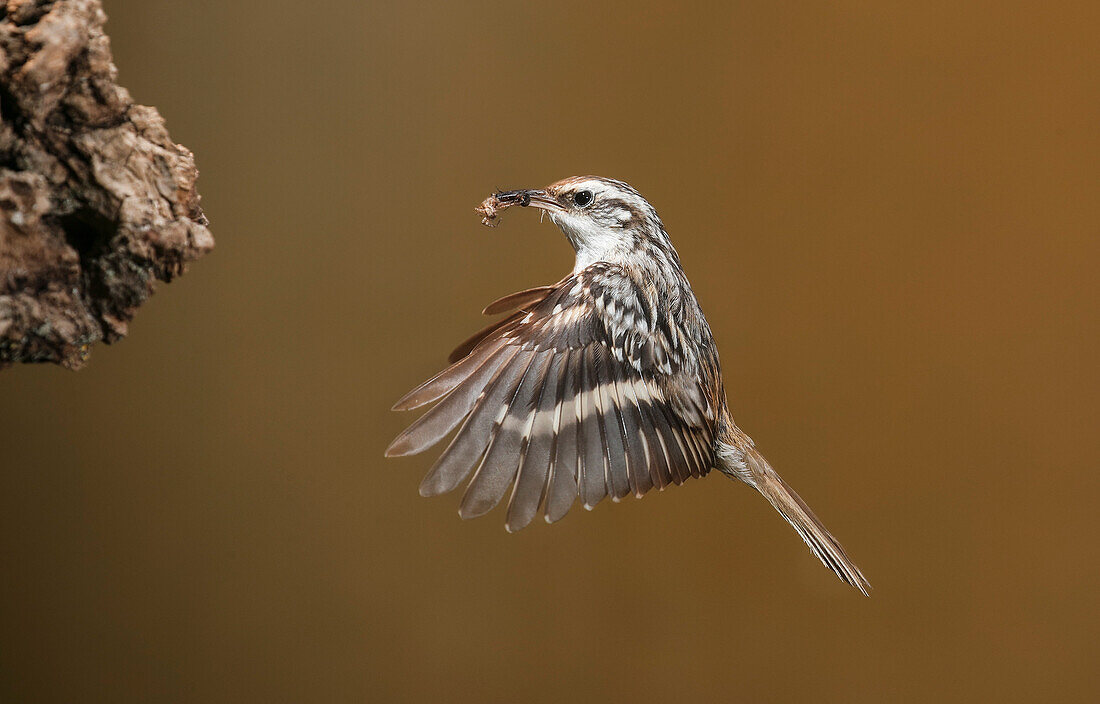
[605, 384]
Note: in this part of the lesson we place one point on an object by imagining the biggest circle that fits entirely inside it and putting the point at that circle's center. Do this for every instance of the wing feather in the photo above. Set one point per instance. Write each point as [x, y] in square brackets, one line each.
[445, 381]
[655, 443]
[580, 390]
[517, 300]
[679, 466]
[431, 427]
[593, 481]
[534, 465]
[561, 489]
[618, 483]
[470, 442]
[486, 332]
[498, 467]
[635, 432]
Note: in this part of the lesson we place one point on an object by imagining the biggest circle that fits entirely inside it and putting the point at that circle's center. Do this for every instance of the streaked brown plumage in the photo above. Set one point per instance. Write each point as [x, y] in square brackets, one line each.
[604, 384]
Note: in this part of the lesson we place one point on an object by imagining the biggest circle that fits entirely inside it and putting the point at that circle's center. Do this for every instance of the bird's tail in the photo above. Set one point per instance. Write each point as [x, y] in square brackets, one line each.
[743, 460]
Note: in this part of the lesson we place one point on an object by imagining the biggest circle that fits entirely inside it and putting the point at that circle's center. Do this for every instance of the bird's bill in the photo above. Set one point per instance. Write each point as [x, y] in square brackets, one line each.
[537, 198]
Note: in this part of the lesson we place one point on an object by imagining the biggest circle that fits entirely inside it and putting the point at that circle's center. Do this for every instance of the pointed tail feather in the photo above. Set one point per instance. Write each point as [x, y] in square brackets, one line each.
[746, 463]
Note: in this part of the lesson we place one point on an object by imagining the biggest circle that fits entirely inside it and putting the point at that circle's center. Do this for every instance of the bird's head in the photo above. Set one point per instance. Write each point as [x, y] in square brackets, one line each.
[604, 219]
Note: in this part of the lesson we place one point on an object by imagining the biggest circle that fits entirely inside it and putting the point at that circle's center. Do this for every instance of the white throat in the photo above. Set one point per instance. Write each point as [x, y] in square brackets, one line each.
[593, 243]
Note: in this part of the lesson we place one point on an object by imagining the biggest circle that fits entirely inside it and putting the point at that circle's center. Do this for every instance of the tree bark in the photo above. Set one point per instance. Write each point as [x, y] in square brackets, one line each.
[96, 201]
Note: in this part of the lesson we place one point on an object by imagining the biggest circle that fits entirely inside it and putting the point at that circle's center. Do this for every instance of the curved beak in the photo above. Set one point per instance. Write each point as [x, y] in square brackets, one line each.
[537, 198]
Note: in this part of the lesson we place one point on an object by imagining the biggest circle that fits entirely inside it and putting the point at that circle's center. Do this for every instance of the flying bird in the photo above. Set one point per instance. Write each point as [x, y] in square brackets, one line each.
[605, 384]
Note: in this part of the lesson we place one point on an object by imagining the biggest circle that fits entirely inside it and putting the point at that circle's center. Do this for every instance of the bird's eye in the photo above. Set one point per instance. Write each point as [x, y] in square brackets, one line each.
[582, 198]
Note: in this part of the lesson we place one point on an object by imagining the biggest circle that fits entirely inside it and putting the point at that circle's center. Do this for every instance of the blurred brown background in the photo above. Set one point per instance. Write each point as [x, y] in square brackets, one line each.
[888, 210]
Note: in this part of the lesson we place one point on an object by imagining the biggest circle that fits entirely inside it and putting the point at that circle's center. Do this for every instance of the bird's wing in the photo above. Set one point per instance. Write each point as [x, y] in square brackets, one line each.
[580, 392]
[514, 303]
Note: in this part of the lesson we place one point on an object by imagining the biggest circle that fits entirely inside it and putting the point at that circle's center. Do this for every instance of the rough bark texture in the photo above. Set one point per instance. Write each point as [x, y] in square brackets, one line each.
[96, 202]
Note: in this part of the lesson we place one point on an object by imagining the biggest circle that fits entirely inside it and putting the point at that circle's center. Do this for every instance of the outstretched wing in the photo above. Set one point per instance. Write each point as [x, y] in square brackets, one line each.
[582, 391]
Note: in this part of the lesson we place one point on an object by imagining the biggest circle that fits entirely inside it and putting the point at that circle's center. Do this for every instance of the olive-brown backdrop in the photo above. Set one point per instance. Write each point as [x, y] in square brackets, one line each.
[889, 212]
